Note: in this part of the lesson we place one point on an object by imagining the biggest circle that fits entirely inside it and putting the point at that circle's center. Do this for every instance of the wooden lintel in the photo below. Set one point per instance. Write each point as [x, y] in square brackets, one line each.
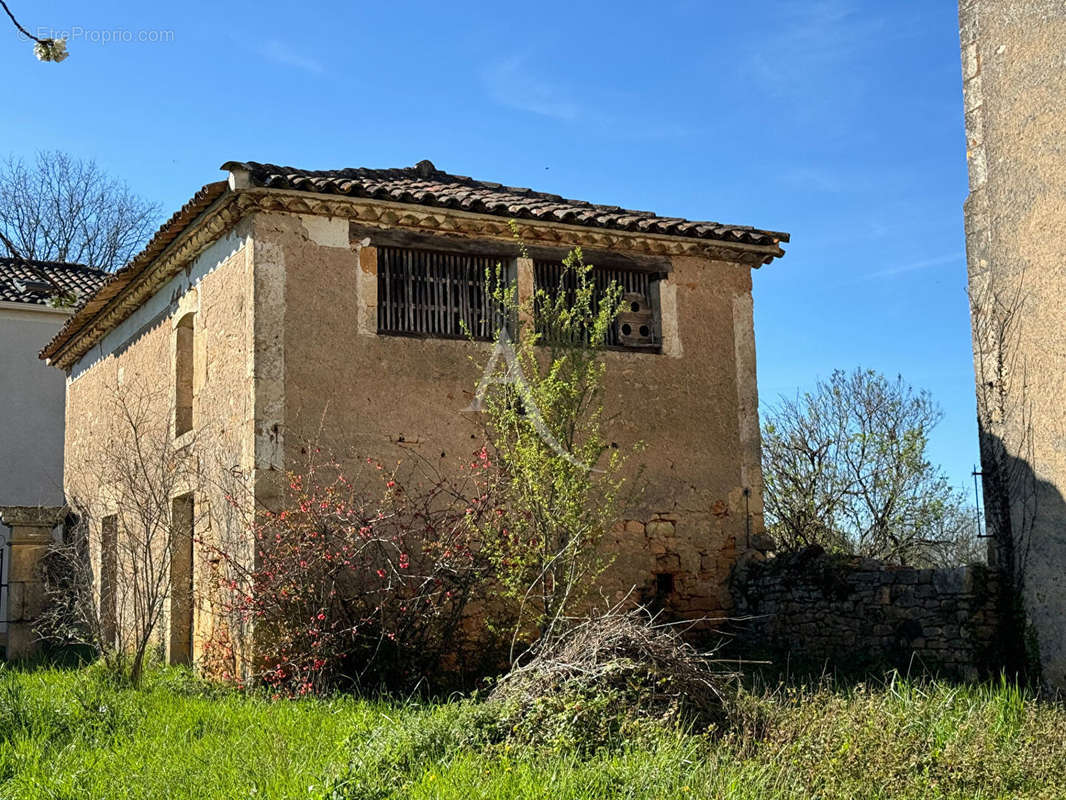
[502, 248]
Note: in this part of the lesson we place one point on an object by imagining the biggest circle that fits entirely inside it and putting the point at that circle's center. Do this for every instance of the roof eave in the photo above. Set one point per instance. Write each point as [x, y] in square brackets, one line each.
[62, 350]
[172, 234]
[334, 205]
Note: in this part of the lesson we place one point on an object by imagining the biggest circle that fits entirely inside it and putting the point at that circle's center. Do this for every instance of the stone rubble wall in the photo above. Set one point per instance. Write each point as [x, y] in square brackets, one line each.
[810, 611]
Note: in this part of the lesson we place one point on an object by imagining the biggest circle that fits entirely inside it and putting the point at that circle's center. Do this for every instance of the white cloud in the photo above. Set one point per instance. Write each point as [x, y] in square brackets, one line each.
[925, 263]
[513, 83]
[286, 55]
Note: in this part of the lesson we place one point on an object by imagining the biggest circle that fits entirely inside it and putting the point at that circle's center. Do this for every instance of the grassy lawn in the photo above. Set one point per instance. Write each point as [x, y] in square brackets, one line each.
[71, 734]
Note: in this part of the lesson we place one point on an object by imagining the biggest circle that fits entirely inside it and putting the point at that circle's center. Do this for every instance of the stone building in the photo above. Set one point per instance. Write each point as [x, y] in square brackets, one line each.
[285, 305]
[1014, 79]
[35, 302]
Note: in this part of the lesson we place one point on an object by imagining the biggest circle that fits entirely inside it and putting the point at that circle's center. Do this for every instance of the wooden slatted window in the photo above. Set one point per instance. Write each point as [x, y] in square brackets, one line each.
[430, 293]
[553, 277]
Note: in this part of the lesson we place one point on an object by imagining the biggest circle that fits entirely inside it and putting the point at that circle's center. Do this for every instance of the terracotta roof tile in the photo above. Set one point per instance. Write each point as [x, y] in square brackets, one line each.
[424, 184]
[36, 282]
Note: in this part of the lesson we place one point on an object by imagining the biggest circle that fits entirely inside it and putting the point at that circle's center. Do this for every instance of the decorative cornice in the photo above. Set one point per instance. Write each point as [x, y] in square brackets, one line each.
[222, 215]
[427, 219]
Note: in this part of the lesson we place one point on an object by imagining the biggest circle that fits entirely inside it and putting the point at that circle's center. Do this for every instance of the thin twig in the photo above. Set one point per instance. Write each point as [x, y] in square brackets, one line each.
[17, 25]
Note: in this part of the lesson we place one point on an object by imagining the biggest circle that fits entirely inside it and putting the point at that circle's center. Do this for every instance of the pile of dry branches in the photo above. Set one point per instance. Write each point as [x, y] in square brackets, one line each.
[644, 666]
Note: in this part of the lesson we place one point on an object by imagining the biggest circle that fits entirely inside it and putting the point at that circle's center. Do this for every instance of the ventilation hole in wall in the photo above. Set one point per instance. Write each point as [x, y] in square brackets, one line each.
[664, 584]
[626, 329]
[634, 306]
[644, 330]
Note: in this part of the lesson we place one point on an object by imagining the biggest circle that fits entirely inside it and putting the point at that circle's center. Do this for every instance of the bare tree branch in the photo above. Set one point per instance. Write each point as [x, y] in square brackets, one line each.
[61, 208]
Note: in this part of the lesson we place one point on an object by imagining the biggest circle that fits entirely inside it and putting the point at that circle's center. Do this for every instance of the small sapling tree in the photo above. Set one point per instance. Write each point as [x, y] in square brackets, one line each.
[561, 487]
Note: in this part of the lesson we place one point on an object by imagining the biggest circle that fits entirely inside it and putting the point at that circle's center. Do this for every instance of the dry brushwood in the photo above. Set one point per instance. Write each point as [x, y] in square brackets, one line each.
[641, 663]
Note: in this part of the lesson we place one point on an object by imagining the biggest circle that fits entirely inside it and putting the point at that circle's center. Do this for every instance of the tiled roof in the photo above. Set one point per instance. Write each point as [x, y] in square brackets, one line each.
[36, 282]
[424, 184]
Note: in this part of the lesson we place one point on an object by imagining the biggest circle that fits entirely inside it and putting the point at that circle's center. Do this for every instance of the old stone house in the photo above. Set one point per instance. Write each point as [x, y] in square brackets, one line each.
[1015, 112]
[284, 305]
[35, 302]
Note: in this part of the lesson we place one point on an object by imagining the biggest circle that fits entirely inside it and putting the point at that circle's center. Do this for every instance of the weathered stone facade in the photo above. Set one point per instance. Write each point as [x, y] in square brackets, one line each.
[811, 612]
[1014, 78]
[132, 370]
[283, 285]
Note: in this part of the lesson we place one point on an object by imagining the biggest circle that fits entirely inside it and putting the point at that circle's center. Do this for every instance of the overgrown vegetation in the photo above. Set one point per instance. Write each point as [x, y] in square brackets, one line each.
[610, 678]
[359, 580]
[118, 612]
[845, 467]
[559, 478]
[66, 734]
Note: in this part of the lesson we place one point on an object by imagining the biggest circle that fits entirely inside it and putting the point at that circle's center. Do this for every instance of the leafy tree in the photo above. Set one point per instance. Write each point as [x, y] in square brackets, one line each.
[845, 467]
[61, 208]
[560, 483]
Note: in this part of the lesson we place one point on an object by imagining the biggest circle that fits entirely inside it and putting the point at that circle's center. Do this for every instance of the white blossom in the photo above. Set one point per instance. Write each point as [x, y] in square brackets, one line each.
[51, 50]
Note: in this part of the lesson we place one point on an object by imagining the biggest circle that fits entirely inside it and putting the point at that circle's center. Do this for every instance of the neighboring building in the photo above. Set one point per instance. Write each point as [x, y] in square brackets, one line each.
[35, 301]
[1014, 77]
[284, 305]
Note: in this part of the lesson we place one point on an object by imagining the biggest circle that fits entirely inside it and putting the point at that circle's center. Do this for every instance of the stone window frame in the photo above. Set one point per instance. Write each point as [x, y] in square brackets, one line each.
[180, 618]
[109, 577]
[188, 365]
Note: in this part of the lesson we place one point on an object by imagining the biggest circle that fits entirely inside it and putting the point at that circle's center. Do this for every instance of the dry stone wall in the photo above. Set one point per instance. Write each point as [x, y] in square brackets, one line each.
[813, 612]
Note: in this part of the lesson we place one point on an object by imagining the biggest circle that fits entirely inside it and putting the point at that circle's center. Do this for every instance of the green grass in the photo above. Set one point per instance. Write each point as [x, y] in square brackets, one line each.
[74, 734]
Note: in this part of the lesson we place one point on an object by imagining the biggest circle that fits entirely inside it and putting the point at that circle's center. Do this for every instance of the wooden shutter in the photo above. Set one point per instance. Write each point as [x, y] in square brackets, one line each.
[433, 294]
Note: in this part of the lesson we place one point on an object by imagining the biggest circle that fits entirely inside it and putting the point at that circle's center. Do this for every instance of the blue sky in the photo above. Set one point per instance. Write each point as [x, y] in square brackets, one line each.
[839, 121]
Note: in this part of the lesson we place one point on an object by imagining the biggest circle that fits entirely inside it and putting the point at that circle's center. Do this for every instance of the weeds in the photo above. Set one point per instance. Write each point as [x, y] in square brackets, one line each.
[76, 734]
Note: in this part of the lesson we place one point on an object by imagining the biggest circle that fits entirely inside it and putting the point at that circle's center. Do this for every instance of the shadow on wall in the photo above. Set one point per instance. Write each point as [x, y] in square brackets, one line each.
[810, 613]
[1026, 521]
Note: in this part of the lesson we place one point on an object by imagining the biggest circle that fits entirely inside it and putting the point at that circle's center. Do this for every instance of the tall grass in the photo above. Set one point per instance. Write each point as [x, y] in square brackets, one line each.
[77, 734]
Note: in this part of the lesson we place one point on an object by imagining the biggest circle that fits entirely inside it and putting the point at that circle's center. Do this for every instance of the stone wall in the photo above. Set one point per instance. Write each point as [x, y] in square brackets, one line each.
[287, 354]
[812, 612]
[30, 537]
[1014, 89]
[132, 371]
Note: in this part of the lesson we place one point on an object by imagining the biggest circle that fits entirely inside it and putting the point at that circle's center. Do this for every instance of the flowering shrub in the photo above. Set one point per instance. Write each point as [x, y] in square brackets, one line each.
[350, 589]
